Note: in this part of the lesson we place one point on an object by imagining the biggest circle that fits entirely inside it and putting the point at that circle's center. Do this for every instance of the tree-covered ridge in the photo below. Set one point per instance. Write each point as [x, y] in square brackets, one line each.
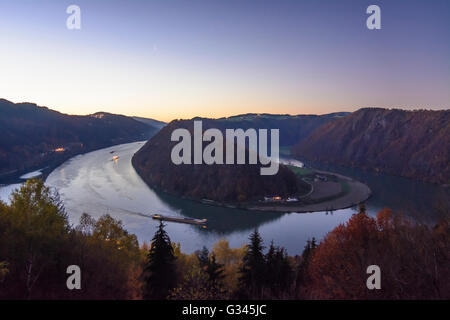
[37, 245]
[30, 134]
[224, 183]
[293, 128]
[414, 144]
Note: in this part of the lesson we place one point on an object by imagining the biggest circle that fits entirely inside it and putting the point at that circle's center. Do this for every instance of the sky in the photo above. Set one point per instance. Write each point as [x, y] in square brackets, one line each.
[171, 59]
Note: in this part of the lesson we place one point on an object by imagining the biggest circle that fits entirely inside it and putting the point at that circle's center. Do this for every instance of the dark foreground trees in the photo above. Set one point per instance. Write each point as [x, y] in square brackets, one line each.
[33, 226]
[37, 244]
[414, 260]
[267, 276]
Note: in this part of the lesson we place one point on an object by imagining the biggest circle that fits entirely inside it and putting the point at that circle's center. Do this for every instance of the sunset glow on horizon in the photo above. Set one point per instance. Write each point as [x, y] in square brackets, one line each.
[180, 59]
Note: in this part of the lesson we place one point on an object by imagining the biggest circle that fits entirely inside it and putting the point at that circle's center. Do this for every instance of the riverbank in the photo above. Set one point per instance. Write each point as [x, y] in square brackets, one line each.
[45, 168]
[341, 193]
[329, 192]
[48, 166]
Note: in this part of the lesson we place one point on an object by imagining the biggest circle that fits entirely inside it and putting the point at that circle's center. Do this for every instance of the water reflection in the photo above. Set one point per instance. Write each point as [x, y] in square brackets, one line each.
[96, 184]
[220, 220]
[424, 202]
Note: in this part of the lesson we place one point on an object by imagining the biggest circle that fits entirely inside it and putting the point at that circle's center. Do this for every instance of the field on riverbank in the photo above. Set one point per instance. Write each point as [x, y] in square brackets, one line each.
[329, 191]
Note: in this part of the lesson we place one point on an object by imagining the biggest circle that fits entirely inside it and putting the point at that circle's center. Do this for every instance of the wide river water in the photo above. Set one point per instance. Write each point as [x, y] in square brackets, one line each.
[96, 184]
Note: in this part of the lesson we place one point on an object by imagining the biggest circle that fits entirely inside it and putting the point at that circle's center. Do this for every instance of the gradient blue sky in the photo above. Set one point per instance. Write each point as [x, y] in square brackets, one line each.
[170, 59]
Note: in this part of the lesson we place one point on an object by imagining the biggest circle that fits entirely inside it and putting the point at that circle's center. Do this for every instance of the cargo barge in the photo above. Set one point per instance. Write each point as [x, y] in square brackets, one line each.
[201, 222]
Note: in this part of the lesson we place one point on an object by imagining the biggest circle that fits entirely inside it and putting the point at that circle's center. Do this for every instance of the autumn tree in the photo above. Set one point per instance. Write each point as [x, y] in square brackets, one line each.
[413, 259]
[200, 276]
[193, 284]
[3, 270]
[96, 243]
[231, 260]
[38, 245]
[216, 275]
[35, 228]
[213, 269]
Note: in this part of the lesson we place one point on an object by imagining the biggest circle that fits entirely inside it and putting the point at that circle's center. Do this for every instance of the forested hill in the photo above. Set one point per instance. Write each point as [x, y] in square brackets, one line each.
[224, 183]
[33, 136]
[413, 144]
[232, 183]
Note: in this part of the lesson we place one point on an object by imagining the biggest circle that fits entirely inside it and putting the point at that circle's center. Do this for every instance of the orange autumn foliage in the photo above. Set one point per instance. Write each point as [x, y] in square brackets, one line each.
[414, 260]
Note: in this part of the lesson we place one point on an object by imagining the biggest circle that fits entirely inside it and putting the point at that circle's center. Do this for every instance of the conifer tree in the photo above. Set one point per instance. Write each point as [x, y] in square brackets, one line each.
[215, 275]
[160, 270]
[203, 257]
[313, 243]
[252, 279]
[285, 273]
[271, 265]
[302, 271]
[362, 207]
[278, 271]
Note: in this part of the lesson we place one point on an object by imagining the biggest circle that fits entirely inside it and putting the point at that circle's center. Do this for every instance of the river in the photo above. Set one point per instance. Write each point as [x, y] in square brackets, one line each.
[96, 184]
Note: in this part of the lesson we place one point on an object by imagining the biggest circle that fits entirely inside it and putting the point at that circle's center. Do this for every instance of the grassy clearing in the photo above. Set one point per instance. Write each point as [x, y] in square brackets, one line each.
[285, 151]
[309, 175]
[345, 188]
[302, 172]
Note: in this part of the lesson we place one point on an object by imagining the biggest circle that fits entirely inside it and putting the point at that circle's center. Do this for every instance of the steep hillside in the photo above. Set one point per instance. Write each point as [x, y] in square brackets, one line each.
[233, 183]
[33, 136]
[413, 144]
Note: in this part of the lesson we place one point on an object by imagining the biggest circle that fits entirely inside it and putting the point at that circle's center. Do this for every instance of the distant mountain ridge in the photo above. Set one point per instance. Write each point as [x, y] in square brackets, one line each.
[293, 128]
[414, 144]
[151, 122]
[32, 136]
